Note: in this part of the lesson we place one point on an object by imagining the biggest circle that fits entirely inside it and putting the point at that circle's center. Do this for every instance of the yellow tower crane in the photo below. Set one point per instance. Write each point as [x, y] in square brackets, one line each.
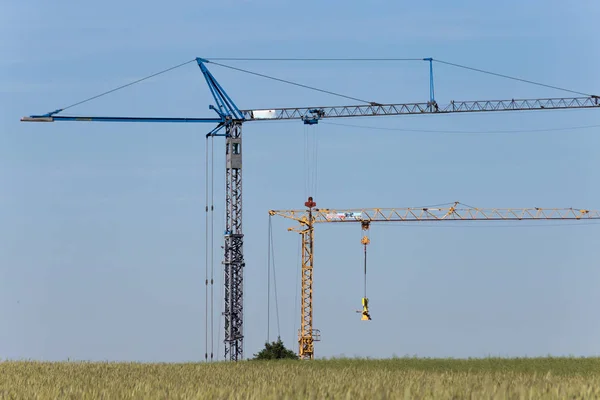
[310, 216]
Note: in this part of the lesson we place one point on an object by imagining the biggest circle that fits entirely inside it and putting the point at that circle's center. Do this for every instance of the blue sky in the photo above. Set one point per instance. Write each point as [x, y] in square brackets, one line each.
[103, 227]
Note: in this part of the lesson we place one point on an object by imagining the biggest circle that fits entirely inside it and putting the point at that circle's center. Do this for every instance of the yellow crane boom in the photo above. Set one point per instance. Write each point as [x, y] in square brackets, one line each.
[310, 216]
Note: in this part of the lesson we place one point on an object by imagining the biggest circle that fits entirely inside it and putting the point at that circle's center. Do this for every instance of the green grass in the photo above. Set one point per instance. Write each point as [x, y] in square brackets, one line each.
[402, 378]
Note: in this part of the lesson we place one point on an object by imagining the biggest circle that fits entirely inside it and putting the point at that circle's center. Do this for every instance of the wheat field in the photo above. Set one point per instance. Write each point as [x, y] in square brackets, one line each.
[401, 378]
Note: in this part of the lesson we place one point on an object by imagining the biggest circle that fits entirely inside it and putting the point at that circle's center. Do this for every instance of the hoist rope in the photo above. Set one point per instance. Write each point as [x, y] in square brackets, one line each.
[271, 264]
[269, 280]
[221, 320]
[309, 171]
[316, 159]
[313, 163]
[365, 277]
[206, 262]
[311, 147]
[209, 246]
[298, 284]
[212, 246]
[363, 234]
[275, 285]
[306, 161]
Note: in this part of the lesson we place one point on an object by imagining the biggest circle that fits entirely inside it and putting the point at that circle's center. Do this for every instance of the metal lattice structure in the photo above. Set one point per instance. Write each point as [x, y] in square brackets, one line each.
[310, 216]
[234, 241]
[430, 107]
[306, 334]
[366, 110]
[453, 213]
[230, 117]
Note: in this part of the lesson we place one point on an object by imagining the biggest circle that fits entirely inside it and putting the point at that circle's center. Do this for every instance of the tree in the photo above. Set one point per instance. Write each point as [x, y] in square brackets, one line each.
[275, 351]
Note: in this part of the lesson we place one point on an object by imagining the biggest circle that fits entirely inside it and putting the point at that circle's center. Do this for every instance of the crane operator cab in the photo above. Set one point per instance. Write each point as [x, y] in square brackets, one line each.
[365, 311]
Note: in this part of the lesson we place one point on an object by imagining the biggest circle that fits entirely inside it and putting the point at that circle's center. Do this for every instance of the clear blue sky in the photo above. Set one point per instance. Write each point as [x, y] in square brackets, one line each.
[102, 241]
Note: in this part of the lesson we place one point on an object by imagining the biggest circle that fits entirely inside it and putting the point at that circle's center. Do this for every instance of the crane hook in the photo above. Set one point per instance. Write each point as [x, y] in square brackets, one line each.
[365, 311]
[365, 301]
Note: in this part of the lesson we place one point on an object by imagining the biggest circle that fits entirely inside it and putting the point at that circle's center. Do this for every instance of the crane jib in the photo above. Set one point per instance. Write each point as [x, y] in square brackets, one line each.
[313, 114]
[375, 109]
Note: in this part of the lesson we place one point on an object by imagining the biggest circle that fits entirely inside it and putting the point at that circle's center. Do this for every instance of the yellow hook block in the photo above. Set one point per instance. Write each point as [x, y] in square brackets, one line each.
[365, 312]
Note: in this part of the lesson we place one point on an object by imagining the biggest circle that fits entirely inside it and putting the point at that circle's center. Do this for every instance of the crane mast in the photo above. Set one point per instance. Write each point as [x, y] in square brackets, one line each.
[230, 117]
[310, 216]
[234, 240]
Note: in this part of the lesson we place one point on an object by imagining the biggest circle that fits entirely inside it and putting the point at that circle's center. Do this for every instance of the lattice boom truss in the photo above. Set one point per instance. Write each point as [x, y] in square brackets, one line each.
[435, 214]
[374, 109]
